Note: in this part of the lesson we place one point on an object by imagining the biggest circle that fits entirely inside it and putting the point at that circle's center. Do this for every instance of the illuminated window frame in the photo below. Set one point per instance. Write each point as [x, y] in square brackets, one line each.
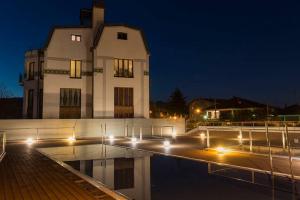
[75, 69]
[76, 38]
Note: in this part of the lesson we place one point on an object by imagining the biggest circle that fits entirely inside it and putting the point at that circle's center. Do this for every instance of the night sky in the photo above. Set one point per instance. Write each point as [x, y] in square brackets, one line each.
[207, 48]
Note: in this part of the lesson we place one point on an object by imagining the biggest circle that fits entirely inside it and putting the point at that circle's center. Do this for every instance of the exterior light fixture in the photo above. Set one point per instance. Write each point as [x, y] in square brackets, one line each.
[167, 144]
[198, 110]
[72, 139]
[29, 141]
[221, 150]
[133, 140]
[205, 117]
[202, 136]
[240, 137]
[111, 137]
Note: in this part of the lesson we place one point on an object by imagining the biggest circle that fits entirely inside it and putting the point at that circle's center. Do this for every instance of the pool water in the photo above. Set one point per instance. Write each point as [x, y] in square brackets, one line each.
[142, 175]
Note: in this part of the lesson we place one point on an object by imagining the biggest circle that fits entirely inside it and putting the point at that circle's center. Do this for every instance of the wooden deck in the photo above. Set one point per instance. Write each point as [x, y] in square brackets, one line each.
[27, 174]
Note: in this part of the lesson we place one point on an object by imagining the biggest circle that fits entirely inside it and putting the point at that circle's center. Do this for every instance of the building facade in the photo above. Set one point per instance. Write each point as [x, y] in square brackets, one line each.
[94, 70]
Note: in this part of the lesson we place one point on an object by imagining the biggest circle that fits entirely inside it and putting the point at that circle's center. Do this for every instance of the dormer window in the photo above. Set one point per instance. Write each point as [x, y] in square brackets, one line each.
[122, 36]
[76, 38]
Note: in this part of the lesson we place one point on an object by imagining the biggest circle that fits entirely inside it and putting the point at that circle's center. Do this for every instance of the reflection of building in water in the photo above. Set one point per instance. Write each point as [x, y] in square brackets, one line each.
[124, 170]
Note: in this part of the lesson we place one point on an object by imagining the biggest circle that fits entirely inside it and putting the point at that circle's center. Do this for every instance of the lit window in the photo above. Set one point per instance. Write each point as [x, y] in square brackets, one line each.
[75, 69]
[76, 38]
[122, 36]
[123, 68]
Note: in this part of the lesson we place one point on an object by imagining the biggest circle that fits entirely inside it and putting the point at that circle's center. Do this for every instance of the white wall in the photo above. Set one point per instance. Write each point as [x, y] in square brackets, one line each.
[108, 49]
[60, 52]
[87, 128]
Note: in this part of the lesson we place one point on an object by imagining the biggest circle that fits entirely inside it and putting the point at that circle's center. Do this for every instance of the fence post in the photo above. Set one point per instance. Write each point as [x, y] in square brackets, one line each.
[141, 133]
[152, 130]
[270, 150]
[132, 134]
[251, 140]
[207, 139]
[283, 140]
[290, 155]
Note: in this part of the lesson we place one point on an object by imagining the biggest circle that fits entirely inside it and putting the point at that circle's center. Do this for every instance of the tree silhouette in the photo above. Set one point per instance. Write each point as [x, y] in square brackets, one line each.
[177, 103]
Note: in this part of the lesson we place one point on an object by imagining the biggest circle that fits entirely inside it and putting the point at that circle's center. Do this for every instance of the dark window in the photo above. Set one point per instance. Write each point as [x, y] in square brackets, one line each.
[70, 103]
[70, 97]
[124, 173]
[123, 102]
[122, 36]
[31, 71]
[123, 68]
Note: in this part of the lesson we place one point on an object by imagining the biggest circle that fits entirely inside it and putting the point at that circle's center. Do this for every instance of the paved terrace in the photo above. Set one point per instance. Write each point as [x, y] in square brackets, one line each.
[194, 148]
[27, 174]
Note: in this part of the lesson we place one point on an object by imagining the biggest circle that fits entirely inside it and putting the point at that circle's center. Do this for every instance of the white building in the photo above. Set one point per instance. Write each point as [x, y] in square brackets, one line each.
[94, 70]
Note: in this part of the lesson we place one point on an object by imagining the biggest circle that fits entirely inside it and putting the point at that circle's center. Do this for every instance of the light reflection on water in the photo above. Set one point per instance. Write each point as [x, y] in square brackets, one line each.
[143, 176]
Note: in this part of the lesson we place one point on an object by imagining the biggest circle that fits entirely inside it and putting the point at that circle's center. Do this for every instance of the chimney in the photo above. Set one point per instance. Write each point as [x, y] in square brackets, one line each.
[98, 14]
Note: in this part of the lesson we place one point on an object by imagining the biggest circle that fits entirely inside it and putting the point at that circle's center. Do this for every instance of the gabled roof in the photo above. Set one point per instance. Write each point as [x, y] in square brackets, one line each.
[101, 28]
[60, 27]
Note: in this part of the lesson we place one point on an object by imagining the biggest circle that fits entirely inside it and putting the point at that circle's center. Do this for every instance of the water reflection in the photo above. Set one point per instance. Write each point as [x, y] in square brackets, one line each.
[123, 170]
[143, 176]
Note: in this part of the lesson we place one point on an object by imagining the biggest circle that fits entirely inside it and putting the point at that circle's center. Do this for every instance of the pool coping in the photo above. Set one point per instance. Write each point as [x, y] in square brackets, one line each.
[90, 180]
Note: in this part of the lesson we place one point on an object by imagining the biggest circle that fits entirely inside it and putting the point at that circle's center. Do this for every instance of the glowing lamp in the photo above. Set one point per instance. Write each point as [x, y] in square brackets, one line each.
[29, 141]
[221, 150]
[133, 139]
[72, 139]
[202, 135]
[111, 137]
[167, 144]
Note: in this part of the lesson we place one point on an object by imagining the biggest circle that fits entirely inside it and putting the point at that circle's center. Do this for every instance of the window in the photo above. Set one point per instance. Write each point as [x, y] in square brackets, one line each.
[31, 71]
[122, 36]
[70, 97]
[76, 38]
[75, 69]
[123, 101]
[123, 68]
[70, 103]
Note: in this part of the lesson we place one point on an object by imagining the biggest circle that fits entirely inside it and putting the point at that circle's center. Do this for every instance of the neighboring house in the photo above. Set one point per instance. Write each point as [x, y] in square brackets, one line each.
[94, 70]
[234, 109]
[290, 113]
[11, 108]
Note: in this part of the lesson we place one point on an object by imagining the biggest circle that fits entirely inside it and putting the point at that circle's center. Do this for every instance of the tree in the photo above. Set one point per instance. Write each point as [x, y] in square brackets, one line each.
[5, 92]
[177, 103]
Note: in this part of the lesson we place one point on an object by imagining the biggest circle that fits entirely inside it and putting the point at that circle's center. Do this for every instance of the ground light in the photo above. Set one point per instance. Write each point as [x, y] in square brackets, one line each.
[222, 150]
[111, 137]
[72, 139]
[167, 144]
[133, 140]
[202, 135]
[29, 141]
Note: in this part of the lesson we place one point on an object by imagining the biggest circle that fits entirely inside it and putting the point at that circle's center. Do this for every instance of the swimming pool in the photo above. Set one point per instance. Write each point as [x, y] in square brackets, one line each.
[142, 175]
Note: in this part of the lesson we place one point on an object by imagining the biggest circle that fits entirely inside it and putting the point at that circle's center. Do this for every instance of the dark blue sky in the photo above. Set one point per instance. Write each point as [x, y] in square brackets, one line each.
[208, 48]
